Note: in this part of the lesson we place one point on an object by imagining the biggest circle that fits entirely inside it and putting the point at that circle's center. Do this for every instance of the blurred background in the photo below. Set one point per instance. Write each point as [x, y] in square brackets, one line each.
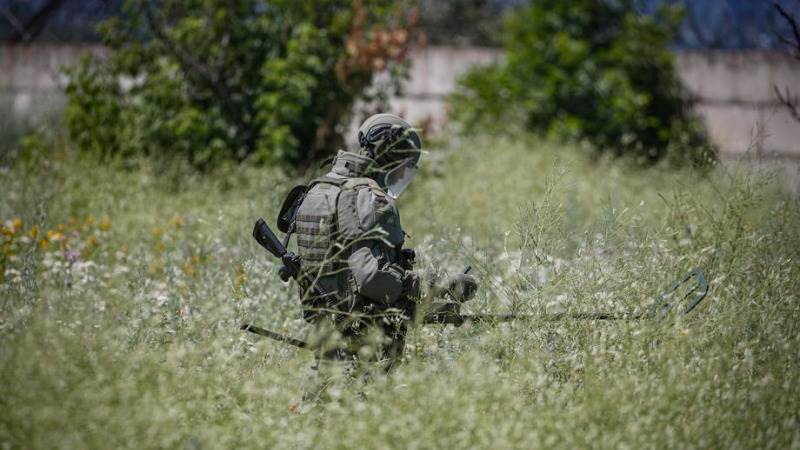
[734, 59]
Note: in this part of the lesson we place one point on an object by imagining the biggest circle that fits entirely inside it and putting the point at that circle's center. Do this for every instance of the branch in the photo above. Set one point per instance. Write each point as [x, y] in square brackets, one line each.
[15, 23]
[791, 103]
[790, 19]
[786, 98]
[36, 23]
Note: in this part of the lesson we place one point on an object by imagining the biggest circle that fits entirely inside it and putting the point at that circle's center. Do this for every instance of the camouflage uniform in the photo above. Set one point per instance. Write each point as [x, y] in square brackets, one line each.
[350, 241]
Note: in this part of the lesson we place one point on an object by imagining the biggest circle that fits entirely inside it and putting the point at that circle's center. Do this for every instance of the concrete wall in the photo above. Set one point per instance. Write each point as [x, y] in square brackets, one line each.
[738, 104]
[433, 75]
[32, 84]
[734, 94]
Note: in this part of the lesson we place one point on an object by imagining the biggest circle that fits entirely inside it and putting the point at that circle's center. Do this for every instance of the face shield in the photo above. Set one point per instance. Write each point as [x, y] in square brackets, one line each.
[397, 179]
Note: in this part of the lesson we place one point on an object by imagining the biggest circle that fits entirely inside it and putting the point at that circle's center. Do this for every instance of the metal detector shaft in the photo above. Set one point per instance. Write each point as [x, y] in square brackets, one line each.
[449, 314]
[444, 318]
[276, 336]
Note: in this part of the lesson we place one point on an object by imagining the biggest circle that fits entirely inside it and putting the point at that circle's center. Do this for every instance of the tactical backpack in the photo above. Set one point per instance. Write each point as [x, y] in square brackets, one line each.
[325, 218]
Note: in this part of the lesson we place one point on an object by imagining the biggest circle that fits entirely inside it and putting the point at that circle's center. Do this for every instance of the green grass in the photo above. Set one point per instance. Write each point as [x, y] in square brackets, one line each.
[133, 342]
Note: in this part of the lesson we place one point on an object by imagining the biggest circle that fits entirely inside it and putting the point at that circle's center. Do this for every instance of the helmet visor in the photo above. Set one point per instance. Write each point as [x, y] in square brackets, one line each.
[397, 179]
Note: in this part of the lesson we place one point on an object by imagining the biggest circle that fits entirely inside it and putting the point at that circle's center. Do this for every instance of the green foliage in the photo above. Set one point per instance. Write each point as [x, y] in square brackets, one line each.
[591, 71]
[211, 79]
[120, 330]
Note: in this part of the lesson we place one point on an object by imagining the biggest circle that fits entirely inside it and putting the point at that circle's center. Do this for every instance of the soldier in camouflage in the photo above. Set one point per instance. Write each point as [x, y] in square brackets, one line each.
[357, 280]
[350, 240]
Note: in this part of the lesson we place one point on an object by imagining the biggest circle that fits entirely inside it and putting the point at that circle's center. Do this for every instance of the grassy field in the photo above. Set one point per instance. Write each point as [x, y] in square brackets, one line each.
[122, 286]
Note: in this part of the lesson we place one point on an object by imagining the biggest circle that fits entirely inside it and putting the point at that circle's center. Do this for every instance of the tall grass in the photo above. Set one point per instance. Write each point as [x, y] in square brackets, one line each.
[123, 285]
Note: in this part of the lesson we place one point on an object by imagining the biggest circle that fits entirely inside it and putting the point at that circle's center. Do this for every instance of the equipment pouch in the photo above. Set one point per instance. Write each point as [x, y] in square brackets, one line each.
[381, 285]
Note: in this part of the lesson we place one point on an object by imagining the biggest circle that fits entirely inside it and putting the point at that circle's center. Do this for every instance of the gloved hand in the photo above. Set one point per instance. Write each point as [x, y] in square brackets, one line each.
[461, 287]
[290, 267]
[411, 284]
[408, 258]
[283, 272]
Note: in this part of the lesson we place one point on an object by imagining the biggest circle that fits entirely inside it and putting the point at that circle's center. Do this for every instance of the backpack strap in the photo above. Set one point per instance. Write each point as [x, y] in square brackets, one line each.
[355, 183]
[339, 182]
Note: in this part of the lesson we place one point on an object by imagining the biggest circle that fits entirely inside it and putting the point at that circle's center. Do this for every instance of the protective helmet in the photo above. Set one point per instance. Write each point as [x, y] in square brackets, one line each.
[394, 146]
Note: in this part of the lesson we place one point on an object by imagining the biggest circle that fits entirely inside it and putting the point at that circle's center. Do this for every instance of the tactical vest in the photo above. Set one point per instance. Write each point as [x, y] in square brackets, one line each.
[326, 222]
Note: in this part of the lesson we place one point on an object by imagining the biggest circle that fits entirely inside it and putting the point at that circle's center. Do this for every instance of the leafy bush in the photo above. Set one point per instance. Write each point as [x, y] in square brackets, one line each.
[589, 70]
[245, 79]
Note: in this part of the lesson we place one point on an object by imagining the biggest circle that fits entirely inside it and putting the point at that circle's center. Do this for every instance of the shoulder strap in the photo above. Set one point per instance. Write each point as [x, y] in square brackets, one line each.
[328, 180]
[356, 182]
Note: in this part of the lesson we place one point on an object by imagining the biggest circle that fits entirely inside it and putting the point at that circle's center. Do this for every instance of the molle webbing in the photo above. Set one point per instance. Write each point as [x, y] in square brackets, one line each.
[313, 233]
[315, 226]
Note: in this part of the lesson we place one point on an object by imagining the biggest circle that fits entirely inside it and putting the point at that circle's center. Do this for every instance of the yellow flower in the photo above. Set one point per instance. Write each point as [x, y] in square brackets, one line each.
[158, 247]
[684, 332]
[155, 267]
[55, 235]
[190, 265]
[43, 244]
[11, 226]
[177, 221]
[188, 269]
[91, 241]
[105, 223]
[89, 220]
[241, 275]
[33, 232]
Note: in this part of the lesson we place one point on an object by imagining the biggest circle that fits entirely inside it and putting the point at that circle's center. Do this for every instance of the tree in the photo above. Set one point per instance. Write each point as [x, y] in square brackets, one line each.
[593, 71]
[267, 81]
